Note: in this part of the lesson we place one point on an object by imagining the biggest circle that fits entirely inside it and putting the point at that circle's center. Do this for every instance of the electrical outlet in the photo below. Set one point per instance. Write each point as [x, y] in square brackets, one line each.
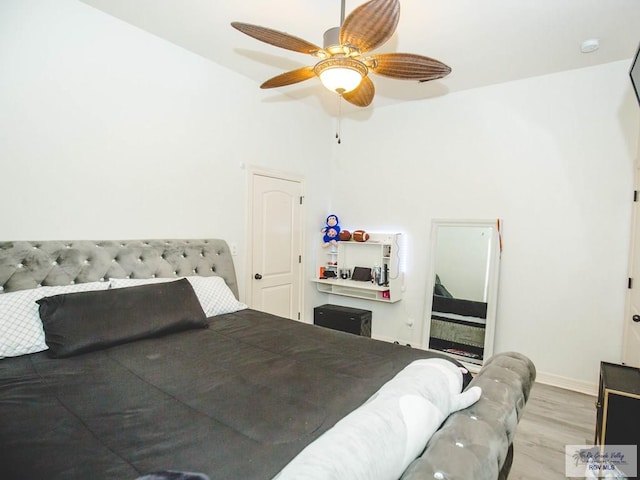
[234, 248]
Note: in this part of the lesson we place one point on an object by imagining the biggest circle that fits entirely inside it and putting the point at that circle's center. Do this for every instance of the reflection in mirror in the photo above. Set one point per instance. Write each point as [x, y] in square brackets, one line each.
[462, 288]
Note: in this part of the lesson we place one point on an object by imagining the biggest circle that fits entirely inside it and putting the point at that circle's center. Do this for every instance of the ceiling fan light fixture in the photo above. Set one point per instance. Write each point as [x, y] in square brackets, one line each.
[340, 74]
[341, 66]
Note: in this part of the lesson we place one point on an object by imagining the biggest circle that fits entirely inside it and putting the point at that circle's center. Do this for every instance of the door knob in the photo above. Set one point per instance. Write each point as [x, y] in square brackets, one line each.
[257, 276]
[636, 318]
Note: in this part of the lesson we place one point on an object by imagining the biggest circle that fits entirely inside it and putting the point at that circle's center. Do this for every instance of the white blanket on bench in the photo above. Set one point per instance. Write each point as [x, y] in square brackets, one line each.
[382, 437]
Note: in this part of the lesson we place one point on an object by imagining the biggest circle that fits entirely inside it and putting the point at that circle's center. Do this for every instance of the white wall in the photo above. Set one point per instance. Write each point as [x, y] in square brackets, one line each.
[552, 156]
[462, 260]
[109, 132]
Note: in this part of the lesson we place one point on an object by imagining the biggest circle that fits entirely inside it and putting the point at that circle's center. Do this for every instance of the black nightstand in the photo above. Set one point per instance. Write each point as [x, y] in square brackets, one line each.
[618, 405]
[345, 319]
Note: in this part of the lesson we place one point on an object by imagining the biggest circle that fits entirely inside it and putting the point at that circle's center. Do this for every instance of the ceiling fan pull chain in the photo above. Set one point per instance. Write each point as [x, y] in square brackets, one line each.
[339, 120]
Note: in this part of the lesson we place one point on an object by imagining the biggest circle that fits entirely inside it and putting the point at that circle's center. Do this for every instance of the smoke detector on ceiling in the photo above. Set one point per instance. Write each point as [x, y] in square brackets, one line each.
[590, 45]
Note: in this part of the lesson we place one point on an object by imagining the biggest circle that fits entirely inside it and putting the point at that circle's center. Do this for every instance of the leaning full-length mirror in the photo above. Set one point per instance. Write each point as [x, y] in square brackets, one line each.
[462, 288]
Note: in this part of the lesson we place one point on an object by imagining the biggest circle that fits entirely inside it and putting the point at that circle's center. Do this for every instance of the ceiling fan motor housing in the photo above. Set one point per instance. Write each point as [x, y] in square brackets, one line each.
[331, 38]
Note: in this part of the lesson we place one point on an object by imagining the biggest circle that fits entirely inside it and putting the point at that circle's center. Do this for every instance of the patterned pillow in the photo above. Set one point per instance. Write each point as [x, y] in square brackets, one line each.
[20, 326]
[213, 293]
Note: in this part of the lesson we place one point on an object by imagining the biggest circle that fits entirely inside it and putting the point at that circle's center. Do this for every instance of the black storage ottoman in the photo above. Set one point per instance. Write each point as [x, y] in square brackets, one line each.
[345, 319]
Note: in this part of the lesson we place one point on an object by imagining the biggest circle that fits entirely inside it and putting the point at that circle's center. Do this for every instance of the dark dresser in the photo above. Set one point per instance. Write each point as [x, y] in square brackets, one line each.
[345, 319]
[618, 405]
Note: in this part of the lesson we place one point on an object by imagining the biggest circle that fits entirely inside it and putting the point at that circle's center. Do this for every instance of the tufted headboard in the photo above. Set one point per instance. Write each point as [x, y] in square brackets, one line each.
[29, 264]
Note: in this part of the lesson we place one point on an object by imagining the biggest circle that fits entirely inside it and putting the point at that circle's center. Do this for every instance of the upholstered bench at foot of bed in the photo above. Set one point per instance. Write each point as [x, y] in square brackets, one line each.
[475, 443]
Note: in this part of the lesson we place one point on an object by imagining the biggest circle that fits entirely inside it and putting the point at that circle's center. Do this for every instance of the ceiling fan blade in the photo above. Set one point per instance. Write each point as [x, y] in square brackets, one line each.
[371, 24]
[276, 38]
[363, 95]
[289, 78]
[408, 66]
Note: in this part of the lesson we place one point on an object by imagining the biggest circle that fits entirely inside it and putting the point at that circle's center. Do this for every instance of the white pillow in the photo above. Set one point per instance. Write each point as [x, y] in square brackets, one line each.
[214, 294]
[20, 326]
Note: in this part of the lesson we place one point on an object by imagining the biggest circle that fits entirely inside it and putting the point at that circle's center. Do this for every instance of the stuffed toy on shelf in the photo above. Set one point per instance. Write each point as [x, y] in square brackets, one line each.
[331, 231]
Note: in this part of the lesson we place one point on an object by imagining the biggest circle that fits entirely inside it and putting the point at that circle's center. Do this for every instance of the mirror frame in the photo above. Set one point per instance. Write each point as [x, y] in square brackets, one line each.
[492, 279]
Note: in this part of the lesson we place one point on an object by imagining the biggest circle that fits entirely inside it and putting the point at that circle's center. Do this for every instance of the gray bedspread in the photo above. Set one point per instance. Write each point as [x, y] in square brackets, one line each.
[238, 400]
[235, 401]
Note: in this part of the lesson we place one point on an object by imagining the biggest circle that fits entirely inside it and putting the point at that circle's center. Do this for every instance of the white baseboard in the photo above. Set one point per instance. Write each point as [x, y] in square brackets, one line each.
[567, 383]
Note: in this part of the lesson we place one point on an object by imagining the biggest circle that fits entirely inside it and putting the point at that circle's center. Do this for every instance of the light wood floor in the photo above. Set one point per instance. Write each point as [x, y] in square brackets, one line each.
[553, 418]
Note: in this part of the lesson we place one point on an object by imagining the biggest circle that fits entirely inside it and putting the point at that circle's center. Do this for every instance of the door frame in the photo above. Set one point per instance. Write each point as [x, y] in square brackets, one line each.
[627, 347]
[252, 172]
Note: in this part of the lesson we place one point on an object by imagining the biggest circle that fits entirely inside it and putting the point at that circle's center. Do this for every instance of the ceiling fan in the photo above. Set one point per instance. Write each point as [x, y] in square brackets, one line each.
[344, 64]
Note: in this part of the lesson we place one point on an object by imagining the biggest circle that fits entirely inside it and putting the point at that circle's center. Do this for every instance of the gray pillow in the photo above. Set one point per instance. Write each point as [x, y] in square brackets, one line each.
[81, 322]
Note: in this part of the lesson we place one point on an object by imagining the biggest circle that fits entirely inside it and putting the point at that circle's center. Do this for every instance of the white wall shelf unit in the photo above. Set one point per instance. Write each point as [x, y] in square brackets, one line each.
[381, 250]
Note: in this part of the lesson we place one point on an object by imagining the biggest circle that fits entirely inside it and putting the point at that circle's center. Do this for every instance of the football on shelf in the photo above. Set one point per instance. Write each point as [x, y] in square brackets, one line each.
[345, 235]
[360, 236]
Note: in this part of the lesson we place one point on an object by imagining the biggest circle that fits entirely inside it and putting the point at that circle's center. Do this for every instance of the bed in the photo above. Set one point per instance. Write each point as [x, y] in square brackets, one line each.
[223, 392]
[457, 325]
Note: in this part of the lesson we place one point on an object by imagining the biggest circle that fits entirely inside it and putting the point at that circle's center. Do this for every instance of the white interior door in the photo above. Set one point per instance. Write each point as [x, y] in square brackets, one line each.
[276, 245]
[631, 344]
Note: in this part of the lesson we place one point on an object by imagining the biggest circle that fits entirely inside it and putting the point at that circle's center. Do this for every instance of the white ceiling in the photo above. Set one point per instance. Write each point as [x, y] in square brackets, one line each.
[483, 41]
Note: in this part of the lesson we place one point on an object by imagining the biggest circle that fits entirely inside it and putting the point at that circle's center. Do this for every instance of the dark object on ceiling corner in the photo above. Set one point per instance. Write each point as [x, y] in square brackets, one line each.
[634, 73]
